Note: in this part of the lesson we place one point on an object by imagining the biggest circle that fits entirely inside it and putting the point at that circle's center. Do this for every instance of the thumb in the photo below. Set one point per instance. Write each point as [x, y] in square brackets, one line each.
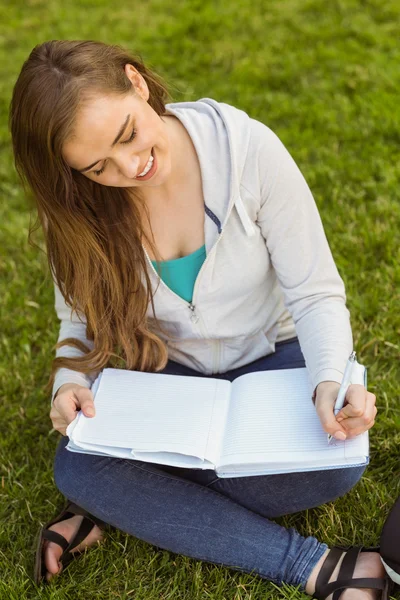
[86, 401]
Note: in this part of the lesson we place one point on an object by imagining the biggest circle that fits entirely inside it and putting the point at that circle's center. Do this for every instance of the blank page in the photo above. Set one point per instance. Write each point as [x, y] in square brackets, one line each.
[155, 412]
[272, 420]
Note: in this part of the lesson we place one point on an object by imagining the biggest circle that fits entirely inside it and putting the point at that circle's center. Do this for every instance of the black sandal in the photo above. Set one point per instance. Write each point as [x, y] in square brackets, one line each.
[345, 577]
[88, 522]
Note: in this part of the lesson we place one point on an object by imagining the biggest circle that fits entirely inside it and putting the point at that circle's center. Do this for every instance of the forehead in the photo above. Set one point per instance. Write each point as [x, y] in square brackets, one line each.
[97, 123]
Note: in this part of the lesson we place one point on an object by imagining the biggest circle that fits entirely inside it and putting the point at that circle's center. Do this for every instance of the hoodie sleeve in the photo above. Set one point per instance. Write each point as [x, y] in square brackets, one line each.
[313, 289]
[72, 325]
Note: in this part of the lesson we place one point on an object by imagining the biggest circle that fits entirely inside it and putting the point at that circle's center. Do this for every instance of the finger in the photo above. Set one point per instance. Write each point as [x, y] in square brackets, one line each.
[368, 415]
[355, 426]
[362, 428]
[60, 425]
[356, 401]
[329, 423]
[60, 428]
[86, 402]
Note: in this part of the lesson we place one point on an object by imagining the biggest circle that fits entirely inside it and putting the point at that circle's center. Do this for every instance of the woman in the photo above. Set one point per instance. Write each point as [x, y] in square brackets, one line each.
[182, 239]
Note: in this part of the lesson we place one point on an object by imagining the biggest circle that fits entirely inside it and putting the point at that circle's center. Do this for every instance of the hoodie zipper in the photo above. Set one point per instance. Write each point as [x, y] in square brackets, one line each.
[215, 343]
[194, 317]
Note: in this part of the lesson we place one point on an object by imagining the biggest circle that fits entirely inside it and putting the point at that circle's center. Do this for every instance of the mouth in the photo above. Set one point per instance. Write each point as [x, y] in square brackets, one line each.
[150, 168]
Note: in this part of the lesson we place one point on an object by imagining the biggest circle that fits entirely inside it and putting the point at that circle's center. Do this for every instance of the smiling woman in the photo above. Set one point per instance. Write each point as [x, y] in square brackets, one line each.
[67, 104]
[124, 184]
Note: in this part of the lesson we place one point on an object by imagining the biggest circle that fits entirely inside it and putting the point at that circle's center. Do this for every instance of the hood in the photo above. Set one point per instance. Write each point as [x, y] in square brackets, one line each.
[220, 134]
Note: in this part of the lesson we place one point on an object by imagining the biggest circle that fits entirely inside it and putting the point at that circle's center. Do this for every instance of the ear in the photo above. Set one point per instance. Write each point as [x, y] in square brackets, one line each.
[137, 81]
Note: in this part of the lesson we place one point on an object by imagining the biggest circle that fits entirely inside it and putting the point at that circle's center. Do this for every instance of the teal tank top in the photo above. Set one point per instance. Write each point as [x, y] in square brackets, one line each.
[180, 274]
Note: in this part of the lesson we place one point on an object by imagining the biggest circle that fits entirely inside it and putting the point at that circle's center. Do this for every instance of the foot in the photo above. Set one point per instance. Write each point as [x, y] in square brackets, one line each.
[67, 529]
[368, 565]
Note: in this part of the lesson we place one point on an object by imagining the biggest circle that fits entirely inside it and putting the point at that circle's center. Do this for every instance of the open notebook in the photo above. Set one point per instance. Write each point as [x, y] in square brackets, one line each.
[262, 423]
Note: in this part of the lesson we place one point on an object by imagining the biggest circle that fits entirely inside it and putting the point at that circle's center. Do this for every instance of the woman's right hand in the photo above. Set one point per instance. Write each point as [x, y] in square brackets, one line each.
[70, 398]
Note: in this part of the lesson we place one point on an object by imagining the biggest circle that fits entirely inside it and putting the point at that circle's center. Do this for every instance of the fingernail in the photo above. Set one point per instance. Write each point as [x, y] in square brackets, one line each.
[90, 412]
[339, 435]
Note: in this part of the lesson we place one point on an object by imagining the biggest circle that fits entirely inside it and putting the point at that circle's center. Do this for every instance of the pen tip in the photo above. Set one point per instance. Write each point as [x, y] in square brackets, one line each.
[352, 356]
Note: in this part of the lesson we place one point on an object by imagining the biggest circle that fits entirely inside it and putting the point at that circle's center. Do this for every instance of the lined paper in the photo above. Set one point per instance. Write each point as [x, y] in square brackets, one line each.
[275, 422]
[154, 412]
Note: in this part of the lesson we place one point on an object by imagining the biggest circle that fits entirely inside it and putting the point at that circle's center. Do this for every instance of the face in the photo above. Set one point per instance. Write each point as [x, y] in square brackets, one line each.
[120, 141]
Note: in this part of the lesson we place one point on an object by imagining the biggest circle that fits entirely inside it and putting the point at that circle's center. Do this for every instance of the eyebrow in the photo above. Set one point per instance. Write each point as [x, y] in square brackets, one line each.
[118, 137]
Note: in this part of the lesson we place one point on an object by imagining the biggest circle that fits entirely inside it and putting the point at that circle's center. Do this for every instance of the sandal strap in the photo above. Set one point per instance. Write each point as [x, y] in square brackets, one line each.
[338, 587]
[346, 570]
[55, 537]
[349, 561]
[326, 572]
[83, 531]
[345, 579]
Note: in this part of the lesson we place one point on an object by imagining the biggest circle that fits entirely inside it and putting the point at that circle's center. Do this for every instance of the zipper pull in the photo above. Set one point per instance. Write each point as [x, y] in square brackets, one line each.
[194, 318]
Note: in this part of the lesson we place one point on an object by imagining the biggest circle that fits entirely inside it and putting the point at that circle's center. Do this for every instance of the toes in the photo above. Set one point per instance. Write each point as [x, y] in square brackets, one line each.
[50, 575]
[52, 553]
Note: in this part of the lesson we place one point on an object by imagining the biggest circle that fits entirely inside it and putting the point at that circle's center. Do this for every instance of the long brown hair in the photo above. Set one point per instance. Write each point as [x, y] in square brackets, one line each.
[92, 232]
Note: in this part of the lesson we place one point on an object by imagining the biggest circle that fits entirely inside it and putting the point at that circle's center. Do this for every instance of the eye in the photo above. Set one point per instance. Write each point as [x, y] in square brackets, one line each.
[132, 136]
[100, 171]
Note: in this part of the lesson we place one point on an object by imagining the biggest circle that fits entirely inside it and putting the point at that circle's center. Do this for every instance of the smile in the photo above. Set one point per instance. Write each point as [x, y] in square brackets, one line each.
[149, 169]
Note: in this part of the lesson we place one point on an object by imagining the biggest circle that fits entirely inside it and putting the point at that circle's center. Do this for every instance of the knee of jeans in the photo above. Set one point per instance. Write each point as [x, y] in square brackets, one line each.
[343, 480]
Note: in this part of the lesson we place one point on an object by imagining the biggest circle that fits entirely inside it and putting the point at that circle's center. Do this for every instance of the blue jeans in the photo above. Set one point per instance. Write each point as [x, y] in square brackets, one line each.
[193, 512]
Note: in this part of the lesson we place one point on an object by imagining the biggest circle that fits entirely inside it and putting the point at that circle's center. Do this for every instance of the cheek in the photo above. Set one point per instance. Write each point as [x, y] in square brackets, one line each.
[152, 135]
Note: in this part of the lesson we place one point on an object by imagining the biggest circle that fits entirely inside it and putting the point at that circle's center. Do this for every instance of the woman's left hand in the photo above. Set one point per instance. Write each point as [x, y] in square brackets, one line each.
[356, 416]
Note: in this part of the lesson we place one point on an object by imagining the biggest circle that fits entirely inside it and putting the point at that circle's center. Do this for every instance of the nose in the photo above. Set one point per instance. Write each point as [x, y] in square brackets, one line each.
[128, 165]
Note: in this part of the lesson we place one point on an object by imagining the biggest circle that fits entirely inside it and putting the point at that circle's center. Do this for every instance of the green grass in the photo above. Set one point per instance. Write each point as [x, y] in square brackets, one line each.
[324, 76]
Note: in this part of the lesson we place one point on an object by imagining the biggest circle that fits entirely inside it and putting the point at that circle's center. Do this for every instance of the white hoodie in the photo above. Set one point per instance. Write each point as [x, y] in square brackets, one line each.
[269, 274]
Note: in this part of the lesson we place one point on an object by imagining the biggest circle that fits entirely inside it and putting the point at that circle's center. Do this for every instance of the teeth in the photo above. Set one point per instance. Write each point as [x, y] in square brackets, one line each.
[147, 167]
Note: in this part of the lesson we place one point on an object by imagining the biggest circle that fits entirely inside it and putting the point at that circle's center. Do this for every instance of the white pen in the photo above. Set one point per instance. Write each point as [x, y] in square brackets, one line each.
[343, 387]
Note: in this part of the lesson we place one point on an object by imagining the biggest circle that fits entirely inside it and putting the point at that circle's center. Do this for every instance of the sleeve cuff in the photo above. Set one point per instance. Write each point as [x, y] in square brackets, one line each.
[327, 375]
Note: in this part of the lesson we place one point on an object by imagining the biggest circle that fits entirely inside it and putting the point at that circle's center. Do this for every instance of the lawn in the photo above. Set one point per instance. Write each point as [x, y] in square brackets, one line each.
[325, 77]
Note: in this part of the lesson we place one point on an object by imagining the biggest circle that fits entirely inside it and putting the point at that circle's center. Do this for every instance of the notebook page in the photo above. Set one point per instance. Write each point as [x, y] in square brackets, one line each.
[99, 450]
[272, 420]
[162, 458]
[152, 412]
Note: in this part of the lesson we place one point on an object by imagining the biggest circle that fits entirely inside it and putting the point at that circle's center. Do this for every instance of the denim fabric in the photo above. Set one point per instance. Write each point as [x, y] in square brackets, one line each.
[193, 512]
